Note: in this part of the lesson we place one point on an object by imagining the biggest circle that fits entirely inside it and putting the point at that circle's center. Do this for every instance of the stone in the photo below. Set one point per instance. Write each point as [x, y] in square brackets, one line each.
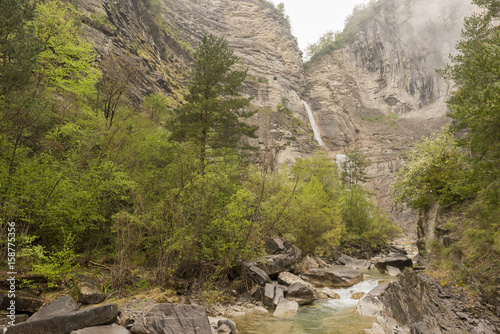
[259, 310]
[358, 295]
[336, 276]
[269, 294]
[278, 294]
[354, 263]
[63, 304]
[4, 320]
[286, 308]
[302, 293]
[257, 275]
[397, 261]
[370, 305]
[230, 326]
[283, 261]
[329, 293]
[393, 271]
[108, 329]
[24, 302]
[68, 322]
[274, 245]
[257, 292]
[173, 318]
[287, 278]
[89, 291]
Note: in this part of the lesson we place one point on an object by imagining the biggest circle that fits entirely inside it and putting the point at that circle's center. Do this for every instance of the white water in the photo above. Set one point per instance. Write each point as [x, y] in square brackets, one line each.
[331, 316]
[314, 126]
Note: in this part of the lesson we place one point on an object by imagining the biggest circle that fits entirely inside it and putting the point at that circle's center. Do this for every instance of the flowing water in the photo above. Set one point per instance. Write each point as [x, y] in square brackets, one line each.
[331, 316]
[314, 126]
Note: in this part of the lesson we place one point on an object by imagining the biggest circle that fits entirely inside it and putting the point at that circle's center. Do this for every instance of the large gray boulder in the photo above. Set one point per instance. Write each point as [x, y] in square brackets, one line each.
[353, 263]
[63, 304]
[173, 318]
[67, 322]
[336, 276]
[284, 260]
[287, 278]
[301, 293]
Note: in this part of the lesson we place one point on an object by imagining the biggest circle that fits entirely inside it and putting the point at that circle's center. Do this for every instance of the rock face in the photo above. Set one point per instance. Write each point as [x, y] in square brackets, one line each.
[419, 304]
[381, 93]
[336, 276]
[155, 45]
[173, 318]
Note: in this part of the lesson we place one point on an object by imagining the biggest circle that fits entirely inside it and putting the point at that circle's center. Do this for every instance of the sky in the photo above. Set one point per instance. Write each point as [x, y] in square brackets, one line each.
[312, 18]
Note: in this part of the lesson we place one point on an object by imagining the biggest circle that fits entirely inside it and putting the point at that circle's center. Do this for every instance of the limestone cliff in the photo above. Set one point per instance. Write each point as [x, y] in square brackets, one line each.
[380, 92]
[154, 42]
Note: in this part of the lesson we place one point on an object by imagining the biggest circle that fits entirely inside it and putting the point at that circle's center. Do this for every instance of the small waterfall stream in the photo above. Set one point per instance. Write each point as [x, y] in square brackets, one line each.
[317, 134]
[331, 316]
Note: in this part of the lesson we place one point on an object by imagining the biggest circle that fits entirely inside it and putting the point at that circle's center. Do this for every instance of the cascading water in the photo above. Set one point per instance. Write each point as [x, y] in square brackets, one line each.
[314, 126]
[323, 316]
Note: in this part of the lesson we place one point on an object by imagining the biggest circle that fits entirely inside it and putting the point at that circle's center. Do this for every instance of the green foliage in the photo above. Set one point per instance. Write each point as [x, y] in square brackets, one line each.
[213, 117]
[434, 170]
[354, 168]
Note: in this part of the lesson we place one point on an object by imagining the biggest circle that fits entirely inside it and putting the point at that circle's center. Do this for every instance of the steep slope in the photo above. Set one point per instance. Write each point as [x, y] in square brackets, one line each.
[380, 92]
[154, 40]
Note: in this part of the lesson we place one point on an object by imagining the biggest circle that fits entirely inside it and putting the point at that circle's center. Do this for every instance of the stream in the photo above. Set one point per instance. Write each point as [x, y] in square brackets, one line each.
[317, 134]
[331, 316]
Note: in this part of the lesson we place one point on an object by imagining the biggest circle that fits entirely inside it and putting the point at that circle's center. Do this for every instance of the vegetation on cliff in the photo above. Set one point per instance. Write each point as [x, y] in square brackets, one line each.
[459, 168]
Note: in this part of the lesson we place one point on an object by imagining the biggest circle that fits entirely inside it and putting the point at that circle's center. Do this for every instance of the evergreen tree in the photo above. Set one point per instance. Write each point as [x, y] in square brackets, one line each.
[212, 117]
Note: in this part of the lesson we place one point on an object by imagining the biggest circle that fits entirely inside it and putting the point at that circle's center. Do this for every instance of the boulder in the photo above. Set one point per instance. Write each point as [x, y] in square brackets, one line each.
[257, 292]
[24, 302]
[286, 308]
[329, 293]
[393, 271]
[63, 304]
[274, 245]
[278, 294]
[370, 305]
[269, 294]
[336, 276]
[301, 293]
[257, 275]
[397, 261]
[173, 318]
[358, 295]
[283, 261]
[287, 278]
[109, 329]
[259, 310]
[67, 322]
[89, 291]
[353, 263]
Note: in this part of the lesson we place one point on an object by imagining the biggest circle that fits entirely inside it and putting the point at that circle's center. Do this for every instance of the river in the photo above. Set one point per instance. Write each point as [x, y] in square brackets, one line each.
[331, 316]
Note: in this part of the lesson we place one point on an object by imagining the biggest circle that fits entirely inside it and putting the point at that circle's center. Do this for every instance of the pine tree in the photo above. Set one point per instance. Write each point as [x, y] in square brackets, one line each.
[214, 113]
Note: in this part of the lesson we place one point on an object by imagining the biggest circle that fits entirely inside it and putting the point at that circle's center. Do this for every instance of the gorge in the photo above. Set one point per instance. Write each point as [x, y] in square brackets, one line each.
[103, 127]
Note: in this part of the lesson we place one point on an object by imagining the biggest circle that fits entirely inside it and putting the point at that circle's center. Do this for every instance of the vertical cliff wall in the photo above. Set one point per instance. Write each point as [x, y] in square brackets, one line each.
[380, 92]
[153, 41]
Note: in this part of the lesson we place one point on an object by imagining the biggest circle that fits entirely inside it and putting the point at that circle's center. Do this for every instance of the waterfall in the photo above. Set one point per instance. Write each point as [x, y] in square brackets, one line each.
[315, 128]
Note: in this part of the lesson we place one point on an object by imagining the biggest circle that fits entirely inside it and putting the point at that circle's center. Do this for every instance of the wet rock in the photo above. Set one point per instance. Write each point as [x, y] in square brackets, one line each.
[336, 276]
[370, 305]
[63, 304]
[393, 271]
[301, 293]
[358, 295]
[68, 322]
[173, 318]
[286, 308]
[329, 293]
